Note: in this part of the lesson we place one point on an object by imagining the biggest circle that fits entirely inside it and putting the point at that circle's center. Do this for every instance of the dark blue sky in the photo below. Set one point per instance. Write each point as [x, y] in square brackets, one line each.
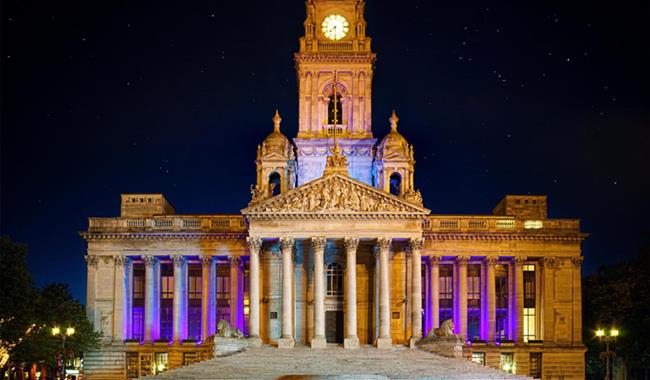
[105, 97]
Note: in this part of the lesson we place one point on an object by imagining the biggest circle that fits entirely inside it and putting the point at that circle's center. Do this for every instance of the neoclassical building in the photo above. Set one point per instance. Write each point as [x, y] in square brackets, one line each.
[335, 247]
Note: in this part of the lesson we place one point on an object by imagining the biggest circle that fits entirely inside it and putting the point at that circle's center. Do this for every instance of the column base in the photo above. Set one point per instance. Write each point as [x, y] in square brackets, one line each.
[351, 343]
[286, 343]
[413, 341]
[384, 343]
[319, 342]
[255, 341]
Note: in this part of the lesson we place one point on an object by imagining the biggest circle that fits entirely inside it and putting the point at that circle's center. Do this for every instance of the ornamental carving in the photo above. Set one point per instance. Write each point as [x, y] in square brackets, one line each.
[178, 260]
[206, 260]
[120, 260]
[234, 260]
[259, 193]
[577, 261]
[413, 196]
[351, 244]
[550, 262]
[491, 261]
[107, 260]
[435, 259]
[254, 244]
[384, 244]
[462, 260]
[520, 260]
[336, 162]
[91, 261]
[149, 260]
[334, 194]
[416, 244]
[318, 243]
[287, 243]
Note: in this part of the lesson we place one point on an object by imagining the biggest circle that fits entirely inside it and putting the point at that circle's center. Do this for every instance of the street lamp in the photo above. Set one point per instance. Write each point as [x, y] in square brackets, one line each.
[607, 337]
[68, 332]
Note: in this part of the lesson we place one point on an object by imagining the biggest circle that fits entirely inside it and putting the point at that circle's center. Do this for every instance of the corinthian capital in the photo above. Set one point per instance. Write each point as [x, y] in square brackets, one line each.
[318, 243]
[120, 260]
[491, 261]
[254, 244]
[287, 243]
[462, 260]
[550, 262]
[384, 243]
[91, 260]
[416, 244]
[577, 261]
[234, 260]
[351, 244]
[206, 260]
[149, 260]
[178, 260]
[520, 260]
[435, 259]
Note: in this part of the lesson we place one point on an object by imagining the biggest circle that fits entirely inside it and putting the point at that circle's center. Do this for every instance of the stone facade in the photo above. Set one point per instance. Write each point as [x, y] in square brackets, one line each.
[335, 246]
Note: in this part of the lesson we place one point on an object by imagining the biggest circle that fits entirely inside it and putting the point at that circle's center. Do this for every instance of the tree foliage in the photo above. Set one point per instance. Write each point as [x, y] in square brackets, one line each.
[619, 296]
[28, 314]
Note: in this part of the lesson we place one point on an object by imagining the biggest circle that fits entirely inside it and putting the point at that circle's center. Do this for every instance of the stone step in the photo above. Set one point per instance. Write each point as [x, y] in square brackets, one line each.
[335, 362]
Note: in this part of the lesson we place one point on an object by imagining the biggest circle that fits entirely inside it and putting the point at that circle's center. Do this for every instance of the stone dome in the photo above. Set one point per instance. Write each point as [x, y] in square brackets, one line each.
[276, 142]
[393, 144]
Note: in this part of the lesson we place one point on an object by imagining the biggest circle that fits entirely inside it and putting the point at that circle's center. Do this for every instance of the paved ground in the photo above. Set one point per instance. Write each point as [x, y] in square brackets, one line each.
[334, 363]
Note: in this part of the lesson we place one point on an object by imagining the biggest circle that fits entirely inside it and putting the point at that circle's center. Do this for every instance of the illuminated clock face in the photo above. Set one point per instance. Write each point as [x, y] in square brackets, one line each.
[335, 27]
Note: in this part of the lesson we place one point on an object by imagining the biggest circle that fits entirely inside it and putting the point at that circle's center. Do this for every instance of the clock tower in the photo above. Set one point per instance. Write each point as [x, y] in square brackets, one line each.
[334, 68]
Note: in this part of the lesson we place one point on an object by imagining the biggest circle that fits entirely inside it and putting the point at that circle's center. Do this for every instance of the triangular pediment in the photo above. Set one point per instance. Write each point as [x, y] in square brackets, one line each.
[332, 195]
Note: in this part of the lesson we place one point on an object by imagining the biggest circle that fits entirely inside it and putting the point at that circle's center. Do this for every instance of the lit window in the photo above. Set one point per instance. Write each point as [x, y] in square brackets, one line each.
[334, 279]
[507, 362]
[533, 224]
[478, 357]
[161, 362]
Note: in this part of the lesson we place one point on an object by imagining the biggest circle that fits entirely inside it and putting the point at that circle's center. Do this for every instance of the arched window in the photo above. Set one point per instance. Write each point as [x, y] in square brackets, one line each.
[330, 110]
[334, 275]
[395, 184]
[274, 183]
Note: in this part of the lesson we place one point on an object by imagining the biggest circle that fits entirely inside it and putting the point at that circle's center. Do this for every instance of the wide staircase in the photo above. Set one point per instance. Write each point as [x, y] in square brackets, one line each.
[335, 363]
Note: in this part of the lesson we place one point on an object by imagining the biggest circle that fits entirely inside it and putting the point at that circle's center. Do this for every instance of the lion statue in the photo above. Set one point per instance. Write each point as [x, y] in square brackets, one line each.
[224, 330]
[446, 330]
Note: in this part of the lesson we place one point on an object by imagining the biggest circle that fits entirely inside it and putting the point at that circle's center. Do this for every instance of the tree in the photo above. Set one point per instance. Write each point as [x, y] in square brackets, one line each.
[27, 321]
[617, 296]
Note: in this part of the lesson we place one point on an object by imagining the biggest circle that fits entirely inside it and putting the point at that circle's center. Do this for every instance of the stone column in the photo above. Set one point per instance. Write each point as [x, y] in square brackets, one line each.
[206, 262]
[127, 324]
[318, 245]
[236, 306]
[576, 262]
[518, 312]
[460, 297]
[351, 340]
[286, 340]
[151, 263]
[384, 340]
[547, 295]
[488, 323]
[91, 261]
[120, 298]
[179, 298]
[435, 291]
[254, 247]
[415, 245]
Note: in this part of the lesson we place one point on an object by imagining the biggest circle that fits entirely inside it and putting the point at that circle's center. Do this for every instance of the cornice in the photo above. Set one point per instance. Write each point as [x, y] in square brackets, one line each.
[578, 237]
[88, 236]
[331, 216]
[347, 57]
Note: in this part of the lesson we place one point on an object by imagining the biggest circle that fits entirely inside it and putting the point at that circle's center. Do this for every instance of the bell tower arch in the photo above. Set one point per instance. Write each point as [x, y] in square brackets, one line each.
[334, 64]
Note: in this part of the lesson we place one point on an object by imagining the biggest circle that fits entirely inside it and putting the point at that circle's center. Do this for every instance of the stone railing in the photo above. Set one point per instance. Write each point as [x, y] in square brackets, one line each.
[490, 223]
[335, 46]
[225, 223]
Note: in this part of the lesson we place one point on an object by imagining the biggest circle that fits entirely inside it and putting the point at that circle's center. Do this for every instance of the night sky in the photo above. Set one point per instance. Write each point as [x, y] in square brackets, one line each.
[105, 97]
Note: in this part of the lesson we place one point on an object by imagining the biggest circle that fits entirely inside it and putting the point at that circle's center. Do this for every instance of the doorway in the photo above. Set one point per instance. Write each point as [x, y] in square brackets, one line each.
[334, 326]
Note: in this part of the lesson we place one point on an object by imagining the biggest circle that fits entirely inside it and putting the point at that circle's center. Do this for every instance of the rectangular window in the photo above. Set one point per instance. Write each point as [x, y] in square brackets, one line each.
[530, 321]
[190, 358]
[146, 365]
[223, 292]
[161, 362]
[478, 357]
[446, 291]
[501, 295]
[507, 362]
[166, 301]
[132, 365]
[194, 301]
[535, 366]
[137, 314]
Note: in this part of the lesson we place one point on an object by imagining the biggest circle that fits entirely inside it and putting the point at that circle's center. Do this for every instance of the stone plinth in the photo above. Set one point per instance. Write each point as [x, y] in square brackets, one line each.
[227, 346]
[319, 342]
[286, 343]
[450, 347]
[351, 343]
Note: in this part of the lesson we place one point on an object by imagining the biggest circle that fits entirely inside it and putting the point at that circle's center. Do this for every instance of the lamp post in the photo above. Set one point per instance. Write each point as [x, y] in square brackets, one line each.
[68, 332]
[607, 337]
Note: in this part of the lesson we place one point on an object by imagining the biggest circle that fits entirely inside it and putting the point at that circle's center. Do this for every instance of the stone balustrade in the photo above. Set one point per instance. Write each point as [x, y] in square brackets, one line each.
[489, 223]
[227, 223]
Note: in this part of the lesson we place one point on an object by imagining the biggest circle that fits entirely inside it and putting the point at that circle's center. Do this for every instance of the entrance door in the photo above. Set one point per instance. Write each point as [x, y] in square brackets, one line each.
[334, 326]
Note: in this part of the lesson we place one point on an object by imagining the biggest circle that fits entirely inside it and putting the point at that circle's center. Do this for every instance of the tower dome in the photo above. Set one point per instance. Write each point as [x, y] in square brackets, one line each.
[393, 145]
[276, 142]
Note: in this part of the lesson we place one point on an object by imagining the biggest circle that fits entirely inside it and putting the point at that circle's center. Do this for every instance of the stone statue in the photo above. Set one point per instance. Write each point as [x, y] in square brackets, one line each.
[224, 330]
[446, 330]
